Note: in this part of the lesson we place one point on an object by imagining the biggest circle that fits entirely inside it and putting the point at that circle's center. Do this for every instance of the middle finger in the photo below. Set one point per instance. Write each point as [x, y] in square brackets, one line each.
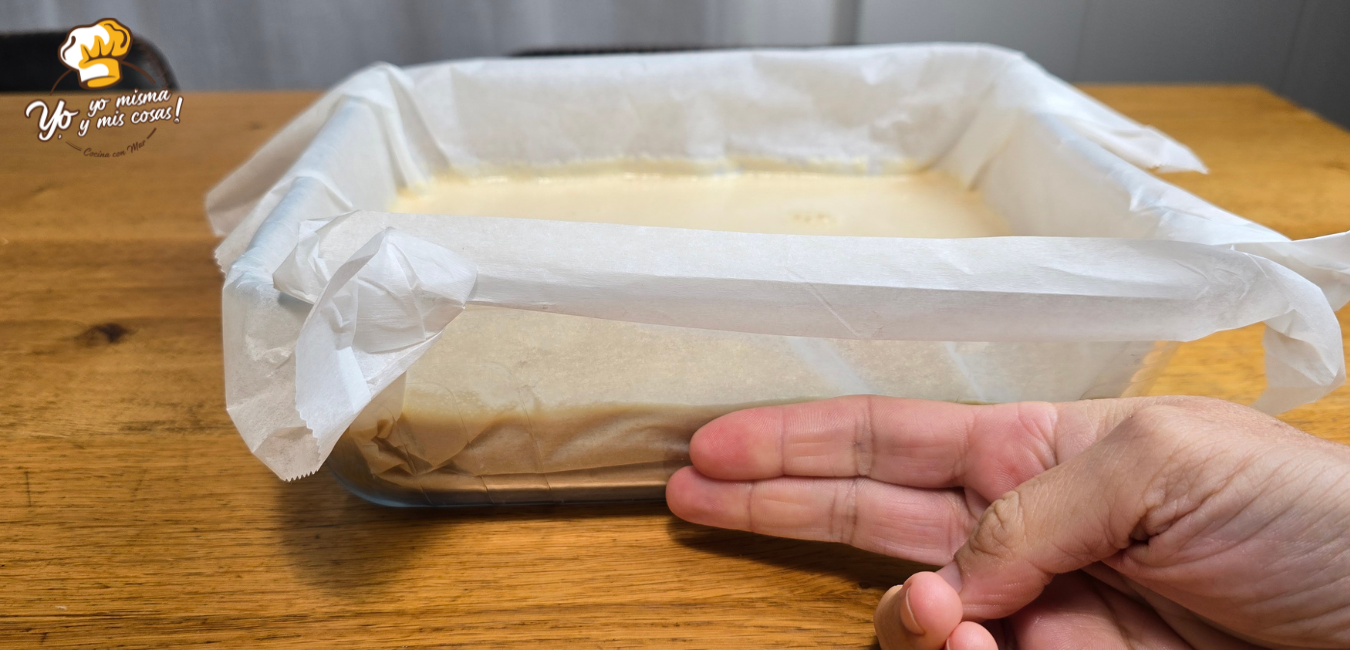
[919, 443]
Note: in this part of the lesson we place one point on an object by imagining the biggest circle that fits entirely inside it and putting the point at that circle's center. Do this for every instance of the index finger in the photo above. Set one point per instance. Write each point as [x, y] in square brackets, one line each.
[919, 443]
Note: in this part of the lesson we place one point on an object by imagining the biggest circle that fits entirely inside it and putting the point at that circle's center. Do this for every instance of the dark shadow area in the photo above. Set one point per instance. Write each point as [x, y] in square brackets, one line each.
[342, 543]
[866, 570]
[603, 51]
[33, 66]
[346, 545]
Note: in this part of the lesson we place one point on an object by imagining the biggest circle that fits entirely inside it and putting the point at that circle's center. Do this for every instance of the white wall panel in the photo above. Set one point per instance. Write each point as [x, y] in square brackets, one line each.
[1047, 30]
[228, 44]
[1298, 47]
[1188, 40]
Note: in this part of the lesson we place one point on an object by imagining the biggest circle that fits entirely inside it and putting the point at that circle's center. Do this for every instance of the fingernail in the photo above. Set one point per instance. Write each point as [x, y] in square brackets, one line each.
[952, 574]
[907, 616]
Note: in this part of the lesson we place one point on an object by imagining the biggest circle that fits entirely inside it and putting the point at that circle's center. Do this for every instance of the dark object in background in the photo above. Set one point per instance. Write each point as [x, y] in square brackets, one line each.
[32, 66]
[590, 51]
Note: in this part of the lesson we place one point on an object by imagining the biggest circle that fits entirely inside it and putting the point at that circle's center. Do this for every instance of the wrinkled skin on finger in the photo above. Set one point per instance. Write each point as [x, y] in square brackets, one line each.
[1144, 523]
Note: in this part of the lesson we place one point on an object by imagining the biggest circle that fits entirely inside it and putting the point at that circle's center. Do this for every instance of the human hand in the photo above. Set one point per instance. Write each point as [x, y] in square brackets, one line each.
[1166, 522]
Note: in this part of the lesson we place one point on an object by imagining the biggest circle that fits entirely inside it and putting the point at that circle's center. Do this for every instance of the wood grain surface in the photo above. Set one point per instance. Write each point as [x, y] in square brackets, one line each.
[132, 516]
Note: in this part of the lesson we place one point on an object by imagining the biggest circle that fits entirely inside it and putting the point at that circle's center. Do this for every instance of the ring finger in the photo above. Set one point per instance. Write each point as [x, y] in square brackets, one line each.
[915, 524]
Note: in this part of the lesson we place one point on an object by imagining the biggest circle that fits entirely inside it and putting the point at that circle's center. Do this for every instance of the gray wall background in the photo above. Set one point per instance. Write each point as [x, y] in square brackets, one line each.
[1298, 48]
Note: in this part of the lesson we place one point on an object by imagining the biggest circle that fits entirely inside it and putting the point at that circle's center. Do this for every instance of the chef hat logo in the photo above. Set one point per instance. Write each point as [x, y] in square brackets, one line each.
[95, 51]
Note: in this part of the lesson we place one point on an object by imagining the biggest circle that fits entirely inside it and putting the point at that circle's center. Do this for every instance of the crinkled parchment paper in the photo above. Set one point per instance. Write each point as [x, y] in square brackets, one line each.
[328, 300]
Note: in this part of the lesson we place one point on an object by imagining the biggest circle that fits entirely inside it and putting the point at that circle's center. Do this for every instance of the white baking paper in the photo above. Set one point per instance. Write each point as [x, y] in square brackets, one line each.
[328, 300]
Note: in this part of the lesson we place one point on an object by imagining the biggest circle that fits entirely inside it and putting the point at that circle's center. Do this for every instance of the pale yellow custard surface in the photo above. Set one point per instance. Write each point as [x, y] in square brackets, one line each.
[927, 204]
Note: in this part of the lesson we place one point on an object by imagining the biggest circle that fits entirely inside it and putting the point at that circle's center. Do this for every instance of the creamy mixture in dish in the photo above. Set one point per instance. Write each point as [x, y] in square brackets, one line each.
[512, 406]
[929, 204]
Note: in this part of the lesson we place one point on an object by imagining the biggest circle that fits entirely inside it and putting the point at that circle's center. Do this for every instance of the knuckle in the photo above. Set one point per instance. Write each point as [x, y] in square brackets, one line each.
[1151, 442]
[1036, 421]
[1157, 427]
[960, 525]
[864, 437]
[1165, 445]
[843, 515]
[1001, 528]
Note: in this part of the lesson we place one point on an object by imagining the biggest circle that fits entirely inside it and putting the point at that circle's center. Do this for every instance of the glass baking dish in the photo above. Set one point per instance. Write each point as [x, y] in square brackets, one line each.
[452, 358]
[580, 410]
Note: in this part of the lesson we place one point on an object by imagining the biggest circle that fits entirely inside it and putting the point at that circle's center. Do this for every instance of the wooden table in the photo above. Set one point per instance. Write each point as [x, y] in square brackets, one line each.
[133, 516]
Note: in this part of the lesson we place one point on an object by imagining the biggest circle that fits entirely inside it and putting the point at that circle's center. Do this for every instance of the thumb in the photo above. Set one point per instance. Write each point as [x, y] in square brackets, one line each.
[1083, 511]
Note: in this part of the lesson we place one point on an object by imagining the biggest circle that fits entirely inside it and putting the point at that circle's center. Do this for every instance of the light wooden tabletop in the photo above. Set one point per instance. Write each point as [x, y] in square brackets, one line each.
[132, 516]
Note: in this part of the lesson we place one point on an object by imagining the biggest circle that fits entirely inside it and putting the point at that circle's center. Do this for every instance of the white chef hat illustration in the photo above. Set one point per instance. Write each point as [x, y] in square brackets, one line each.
[94, 51]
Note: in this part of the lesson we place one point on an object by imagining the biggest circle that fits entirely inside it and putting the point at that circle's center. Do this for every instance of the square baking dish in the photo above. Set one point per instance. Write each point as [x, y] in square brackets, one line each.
[455, 360]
